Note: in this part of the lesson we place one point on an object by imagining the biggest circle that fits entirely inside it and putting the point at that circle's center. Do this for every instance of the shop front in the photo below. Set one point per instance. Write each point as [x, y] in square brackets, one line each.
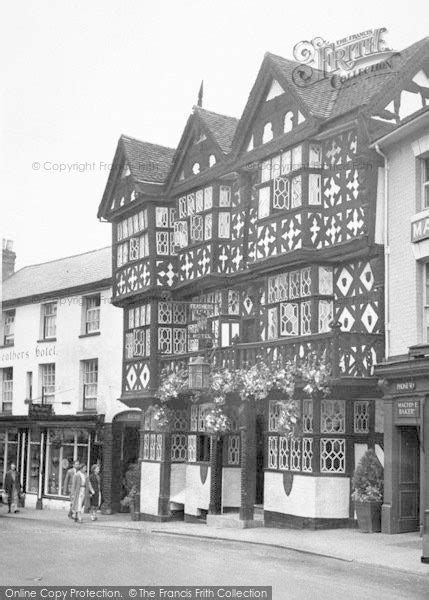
[44, 451]
[406, 442]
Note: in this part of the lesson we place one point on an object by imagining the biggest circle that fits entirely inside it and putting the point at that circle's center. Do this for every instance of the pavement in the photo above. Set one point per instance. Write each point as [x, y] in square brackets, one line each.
[398, 552]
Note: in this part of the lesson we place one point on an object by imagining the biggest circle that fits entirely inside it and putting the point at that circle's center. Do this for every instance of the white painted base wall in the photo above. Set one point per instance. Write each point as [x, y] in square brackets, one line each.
[53, 503]
[312, 497]
[197, 494]
[149, 487]
[231, 487]
[178, 483]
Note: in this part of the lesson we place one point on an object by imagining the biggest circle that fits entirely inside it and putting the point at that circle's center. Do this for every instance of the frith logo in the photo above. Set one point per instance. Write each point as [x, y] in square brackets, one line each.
[347, 58]
[420, 230]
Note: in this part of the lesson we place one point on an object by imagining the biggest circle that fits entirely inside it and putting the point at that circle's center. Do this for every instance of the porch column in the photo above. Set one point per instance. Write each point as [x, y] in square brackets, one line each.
[248, 460]
[425, 474]
[164, 477]
[216, 445]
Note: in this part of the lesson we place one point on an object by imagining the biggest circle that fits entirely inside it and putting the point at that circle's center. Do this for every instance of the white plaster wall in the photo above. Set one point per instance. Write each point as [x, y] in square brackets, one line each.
[150, 487]
[231, 487]
[67, 352]
[30, 500]
[197, 494]
[312, 497]
[51, 503]
[403, 283]
[178, 483]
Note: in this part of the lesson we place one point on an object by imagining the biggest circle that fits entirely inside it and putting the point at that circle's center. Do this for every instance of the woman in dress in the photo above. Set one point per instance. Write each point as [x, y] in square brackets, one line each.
[12, 487]
[79, 492]
[95, 491]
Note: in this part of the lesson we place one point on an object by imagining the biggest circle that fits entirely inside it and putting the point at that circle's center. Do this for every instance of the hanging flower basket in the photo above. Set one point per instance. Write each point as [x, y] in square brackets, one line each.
[217, 421]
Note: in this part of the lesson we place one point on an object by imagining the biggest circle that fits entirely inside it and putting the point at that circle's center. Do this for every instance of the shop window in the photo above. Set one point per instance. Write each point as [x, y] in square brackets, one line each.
[332, 455]
[64, 446]
[92, 313]
[49, 320]
[48, 383]
[33, 461]
[8, 327]
[9, 451]
[6, 390]
[332, 416]
[90, 384]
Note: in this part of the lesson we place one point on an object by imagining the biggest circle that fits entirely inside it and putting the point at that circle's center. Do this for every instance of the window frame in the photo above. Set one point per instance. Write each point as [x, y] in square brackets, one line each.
[49, 321]
[89, 371]
[95, 309]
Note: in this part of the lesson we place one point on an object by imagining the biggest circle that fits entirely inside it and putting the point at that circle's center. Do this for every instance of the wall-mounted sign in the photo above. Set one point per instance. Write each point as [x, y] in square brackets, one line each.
[40, 411]
[405, 386]
[420, 230]
[407, 409]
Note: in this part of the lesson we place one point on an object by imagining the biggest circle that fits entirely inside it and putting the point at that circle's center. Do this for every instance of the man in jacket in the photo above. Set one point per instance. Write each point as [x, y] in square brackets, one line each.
[12, 487]
[68, 479]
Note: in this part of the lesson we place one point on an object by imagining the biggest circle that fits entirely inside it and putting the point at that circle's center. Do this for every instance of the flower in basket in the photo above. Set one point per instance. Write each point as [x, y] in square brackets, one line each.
[288, 416]
[217, 421]
[173, 384]
[315, 372]
[161, 416]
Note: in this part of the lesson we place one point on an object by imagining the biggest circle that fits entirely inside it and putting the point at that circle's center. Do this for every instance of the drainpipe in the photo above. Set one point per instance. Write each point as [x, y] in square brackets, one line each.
[386, 255]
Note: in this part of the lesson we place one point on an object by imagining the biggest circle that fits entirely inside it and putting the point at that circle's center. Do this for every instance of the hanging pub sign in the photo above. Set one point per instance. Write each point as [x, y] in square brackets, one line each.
[407, 409]
[40, 411]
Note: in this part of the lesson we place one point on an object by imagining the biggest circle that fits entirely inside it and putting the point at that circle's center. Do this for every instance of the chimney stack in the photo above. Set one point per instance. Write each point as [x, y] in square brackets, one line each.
[8, 259]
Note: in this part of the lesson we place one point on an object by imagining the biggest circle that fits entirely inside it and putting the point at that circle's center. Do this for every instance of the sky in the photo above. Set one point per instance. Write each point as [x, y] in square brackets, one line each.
[78, 74]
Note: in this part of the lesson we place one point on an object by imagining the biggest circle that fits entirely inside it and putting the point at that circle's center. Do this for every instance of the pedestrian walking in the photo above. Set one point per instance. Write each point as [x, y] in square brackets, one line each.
[68, 480]
[95, 491]
[12, 487]
[79, 492]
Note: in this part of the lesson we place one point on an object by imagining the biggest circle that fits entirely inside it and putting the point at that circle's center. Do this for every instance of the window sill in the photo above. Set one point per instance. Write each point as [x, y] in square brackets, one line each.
[46, 340]
[92, 334]
[5, 346]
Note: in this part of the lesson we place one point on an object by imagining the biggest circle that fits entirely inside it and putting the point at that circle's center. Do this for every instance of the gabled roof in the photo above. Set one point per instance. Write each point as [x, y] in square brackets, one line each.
[147, 162]
[222, 127]
[62, 274]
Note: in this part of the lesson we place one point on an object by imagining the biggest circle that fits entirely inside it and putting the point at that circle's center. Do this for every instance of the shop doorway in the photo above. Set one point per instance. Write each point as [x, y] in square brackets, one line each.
[409, 479]
[126, 447]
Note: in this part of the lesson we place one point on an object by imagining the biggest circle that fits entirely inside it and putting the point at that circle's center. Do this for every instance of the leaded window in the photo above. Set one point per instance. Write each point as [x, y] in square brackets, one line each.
[162, 242]
[286, 162]
[315, 156]
[273, 325]
[278, 288]
[305, 318]
[325, 315]
[181, 234]
[199, 201]
[194, 417]
[224, 196]
[295, 454]
[208, 226]
[164, 340]
[332, 416]
[266, 171]
[183, 208]
[134, 249]
[233, 450]
[314, 189]
[297, 158]
[165, 313]
[161, 216]
[208, 198]
[233, 302]
[281, 193]
[129, 345]
[332, 455]
[296, 199]
[283, 453]
[192, 448]
[361, 416]
[190, 201]
[179, 341]
[307, 455]
[179, 313]
[224, 224]
[197, 234]
[272, 452]
[139, 347]
[289, 318]
[306, 282]
[307, 416]
[264, 195]
[294, 284]
[178, 447]
[326, 281]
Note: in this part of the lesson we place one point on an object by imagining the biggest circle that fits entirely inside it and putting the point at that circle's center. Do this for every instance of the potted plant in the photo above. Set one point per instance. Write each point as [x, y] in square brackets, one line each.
[132, 499]
[368, 492]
